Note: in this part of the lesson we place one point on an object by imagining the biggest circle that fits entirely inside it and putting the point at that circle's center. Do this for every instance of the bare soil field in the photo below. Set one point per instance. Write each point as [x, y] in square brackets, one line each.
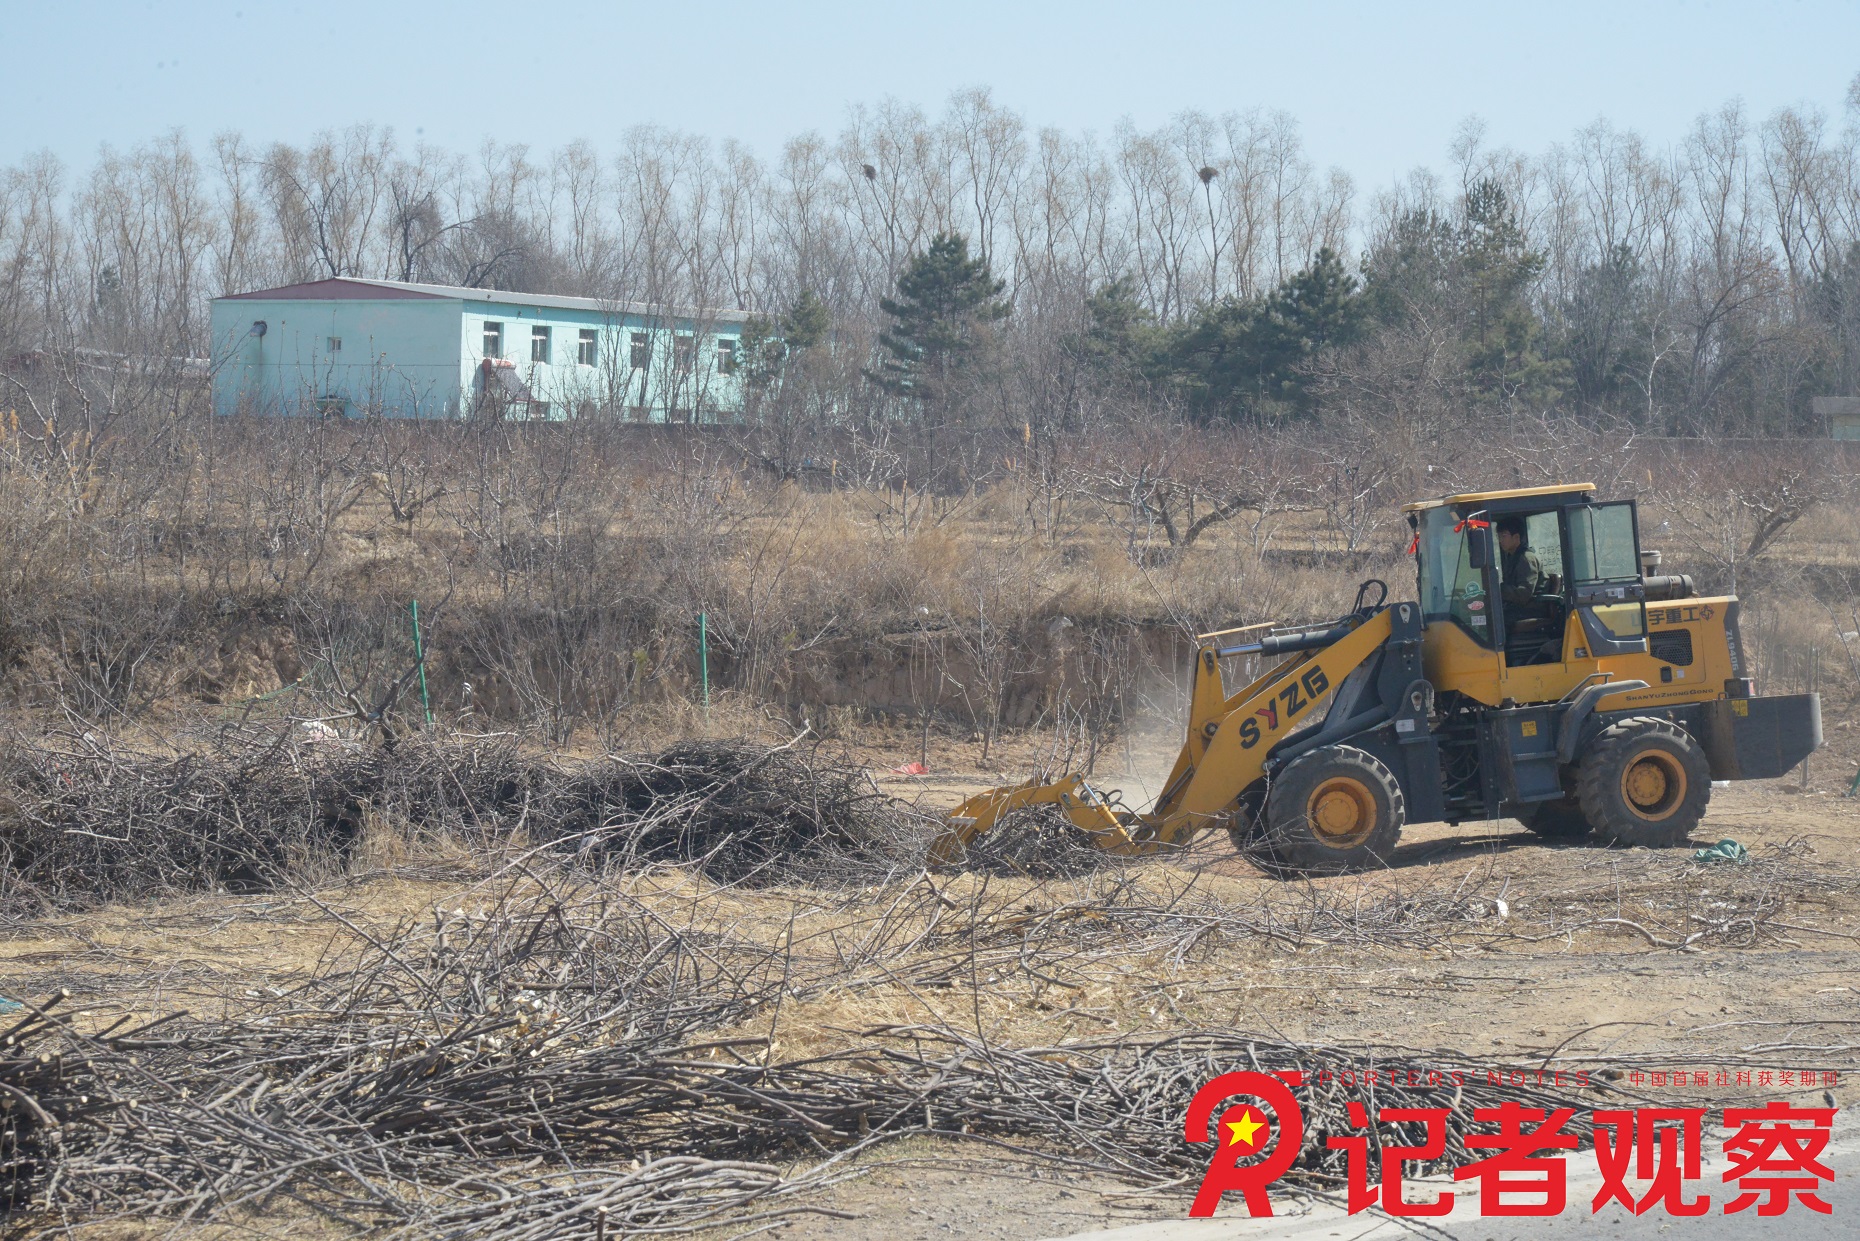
[1480, 944]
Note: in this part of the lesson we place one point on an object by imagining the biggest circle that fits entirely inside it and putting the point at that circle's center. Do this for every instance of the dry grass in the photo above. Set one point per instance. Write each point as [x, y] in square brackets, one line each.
[561, 571]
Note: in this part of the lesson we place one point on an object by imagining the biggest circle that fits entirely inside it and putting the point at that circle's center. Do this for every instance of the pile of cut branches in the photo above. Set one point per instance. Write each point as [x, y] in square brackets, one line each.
[562, 1066]
[1037, 842]
[84, 820]
[742, 812]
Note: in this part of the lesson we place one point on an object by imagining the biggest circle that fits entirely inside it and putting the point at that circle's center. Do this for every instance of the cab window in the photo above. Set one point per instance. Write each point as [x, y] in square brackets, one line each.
[1451, 588]
[1543, 537]
[1601, 544]
[1470, 606]
[1604, 575]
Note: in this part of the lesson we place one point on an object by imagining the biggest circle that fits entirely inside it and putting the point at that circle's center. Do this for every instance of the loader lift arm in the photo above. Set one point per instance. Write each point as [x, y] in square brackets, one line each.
[1232, 743]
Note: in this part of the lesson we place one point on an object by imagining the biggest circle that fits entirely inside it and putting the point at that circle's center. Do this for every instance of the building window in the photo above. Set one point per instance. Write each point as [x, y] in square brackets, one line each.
[539, 344]
[493, 340]
[683, 350]
[726, 356]
[539, 411]
[642, 350]
[585, 352]
[335, 344]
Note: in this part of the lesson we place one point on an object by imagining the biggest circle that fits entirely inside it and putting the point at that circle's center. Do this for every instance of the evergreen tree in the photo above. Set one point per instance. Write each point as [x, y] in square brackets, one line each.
[1121, 340]
[767, 344]
[1476, 275]
[1413, 271]
[945, 303]
[760, 353]
[1503, 333]
[1606, 331]
[1255, 354]
[806, 322]
[1318, 307]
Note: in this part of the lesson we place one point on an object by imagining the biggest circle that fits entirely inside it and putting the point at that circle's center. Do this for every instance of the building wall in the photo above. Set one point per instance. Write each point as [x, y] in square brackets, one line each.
[1842, 414]
[661, 390]
[398, 358]
[422, 358]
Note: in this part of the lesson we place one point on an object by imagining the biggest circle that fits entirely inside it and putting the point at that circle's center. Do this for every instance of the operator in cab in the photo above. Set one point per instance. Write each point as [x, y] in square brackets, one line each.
[1521, 574]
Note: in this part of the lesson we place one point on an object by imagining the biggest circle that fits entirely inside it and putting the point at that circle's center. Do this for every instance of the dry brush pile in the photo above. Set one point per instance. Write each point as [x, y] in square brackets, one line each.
[84, 820]
[567, 1061]
[597, 1041]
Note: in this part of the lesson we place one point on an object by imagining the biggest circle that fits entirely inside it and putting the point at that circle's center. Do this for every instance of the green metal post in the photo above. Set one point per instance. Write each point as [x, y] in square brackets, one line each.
[704, 654]
[419, 655]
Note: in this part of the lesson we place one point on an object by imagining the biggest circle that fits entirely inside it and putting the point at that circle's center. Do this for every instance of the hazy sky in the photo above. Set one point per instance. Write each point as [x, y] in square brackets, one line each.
[1377, 88]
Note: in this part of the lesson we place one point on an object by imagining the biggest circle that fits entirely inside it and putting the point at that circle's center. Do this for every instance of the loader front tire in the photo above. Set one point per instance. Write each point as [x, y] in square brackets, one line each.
[1333, 810]
[1644, 781]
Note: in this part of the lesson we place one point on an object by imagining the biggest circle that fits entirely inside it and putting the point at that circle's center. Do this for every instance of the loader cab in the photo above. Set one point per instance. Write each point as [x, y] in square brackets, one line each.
[1588, 604]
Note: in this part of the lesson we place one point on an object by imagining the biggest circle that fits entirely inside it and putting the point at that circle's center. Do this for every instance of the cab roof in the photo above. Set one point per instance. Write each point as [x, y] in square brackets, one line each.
[1571, 490]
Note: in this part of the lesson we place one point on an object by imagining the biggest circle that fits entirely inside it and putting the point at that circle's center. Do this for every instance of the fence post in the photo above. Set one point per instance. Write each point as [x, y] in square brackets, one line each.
[1811, 682]
[704, 655]
[419, 657]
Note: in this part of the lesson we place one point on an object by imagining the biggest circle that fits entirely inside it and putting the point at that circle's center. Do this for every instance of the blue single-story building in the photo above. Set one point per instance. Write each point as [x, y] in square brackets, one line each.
[1843, 415]
[353, 347]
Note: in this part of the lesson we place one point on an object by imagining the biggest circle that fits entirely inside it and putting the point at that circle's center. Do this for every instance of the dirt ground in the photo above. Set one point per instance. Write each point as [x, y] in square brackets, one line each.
[1479, 940]
[1608, 1001]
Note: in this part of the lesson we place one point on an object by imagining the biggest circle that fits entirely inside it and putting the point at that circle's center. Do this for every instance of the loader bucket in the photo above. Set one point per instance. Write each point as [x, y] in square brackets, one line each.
[1082, 805]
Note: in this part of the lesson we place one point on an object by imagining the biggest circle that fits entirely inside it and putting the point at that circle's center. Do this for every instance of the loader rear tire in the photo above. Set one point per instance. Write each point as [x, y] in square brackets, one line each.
[1561, 819]
[1644, 781]
[1333, 810]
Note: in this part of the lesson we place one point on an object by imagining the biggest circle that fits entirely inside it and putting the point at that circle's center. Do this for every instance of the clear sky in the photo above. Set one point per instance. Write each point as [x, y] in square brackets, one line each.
[1377, 88]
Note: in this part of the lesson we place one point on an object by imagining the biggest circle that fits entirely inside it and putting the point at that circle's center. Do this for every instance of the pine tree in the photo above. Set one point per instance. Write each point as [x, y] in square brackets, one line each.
[768, 344]
[806, 322]
[945, 302]
[1255, 354]
[1475, 272]
[1503, 333]
[1317, 307]
[1122, 340]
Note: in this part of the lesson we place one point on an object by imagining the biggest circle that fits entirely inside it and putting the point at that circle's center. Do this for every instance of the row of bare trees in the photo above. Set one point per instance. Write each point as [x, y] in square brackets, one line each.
[149, 234]
[1656, 252]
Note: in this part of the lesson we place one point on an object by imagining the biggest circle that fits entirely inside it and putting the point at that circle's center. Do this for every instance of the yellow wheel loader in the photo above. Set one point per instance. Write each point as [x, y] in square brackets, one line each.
[1603, 700]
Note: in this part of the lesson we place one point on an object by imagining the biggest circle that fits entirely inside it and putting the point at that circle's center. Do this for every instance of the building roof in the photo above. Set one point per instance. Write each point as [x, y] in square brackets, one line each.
[354, 288]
